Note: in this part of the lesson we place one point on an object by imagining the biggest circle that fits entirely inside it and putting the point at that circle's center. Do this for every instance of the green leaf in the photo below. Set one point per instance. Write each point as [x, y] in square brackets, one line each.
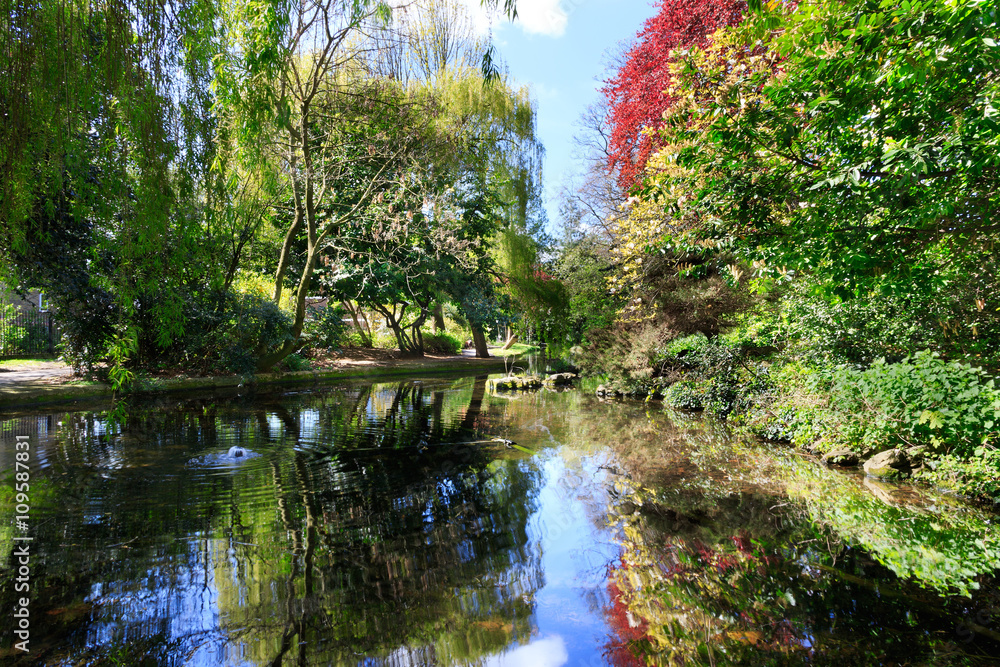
[931, 418]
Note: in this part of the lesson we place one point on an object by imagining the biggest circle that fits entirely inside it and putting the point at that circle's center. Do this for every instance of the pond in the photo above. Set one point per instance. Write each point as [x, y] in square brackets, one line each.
[429, 522]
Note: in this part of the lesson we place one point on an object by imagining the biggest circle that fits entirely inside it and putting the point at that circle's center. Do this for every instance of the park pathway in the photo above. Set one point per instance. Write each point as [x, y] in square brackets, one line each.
[34, 373]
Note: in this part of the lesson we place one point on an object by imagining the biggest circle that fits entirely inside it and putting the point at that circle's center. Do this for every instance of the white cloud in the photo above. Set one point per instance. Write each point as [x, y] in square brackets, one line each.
[549, 652]
[542, 17]
[537, 17]
[481, 18]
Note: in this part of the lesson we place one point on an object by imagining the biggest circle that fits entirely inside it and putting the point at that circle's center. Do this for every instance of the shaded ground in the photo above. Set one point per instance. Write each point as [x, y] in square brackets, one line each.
[33, 372]
[41, 381]
[354, 357]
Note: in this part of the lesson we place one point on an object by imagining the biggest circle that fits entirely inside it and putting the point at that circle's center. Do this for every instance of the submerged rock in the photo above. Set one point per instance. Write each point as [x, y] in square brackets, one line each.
[842, 457]
[890, 465]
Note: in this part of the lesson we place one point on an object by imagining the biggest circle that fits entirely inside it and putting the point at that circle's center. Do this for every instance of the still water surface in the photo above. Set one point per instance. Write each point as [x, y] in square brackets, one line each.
[381, 524]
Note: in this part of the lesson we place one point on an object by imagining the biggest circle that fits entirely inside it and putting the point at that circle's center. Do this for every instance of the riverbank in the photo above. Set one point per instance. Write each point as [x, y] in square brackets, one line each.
[36, 386]
[918, 416]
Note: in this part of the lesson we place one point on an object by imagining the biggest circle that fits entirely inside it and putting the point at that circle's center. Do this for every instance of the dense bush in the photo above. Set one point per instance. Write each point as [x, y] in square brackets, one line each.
[625, 356]
[686, 395]
[296, 362]
[950, 406]
[327, 328]
[978, 477]
[250, 324]
[85, 322]
[384, 339]
[859, 330]
[441, 343]
[353, 338]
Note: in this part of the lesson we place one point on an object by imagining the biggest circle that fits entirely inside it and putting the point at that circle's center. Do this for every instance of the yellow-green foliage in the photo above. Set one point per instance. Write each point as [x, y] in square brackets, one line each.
[262, 286]
[537, 295]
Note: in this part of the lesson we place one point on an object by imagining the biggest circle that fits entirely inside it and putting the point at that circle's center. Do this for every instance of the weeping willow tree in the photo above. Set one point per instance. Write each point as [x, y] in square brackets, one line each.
[500, 124]
[433, 46]
[106, 144]
[141, 144]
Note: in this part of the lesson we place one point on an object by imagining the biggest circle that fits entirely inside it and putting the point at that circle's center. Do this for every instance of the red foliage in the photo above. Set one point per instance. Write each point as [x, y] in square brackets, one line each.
[635, 93]
[618, 651]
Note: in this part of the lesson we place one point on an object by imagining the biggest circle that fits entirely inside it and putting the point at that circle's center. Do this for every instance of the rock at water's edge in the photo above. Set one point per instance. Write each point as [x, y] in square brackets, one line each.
[513, 382]
[890, 465]
[559, 379]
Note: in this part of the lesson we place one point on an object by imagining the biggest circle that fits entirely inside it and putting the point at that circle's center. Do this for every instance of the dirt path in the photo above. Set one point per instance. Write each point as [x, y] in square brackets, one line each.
[32, 372]
[28, 373]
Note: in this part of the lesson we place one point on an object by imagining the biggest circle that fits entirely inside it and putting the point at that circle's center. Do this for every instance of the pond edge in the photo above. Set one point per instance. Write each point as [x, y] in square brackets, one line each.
[33, 395]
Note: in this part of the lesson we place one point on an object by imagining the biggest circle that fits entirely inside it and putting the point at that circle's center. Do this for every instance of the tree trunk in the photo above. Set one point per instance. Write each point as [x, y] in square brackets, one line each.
[479, 338]
[358, 315]
[510, 342]
[475, 405]
[438, 318]
[416, 347]
[267, 360]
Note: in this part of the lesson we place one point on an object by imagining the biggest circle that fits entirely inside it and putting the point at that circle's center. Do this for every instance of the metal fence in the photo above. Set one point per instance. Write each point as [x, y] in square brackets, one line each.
[25, 333]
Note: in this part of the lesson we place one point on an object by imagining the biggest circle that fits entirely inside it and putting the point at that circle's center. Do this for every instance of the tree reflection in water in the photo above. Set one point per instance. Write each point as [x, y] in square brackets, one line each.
[362, 531]
[372, 525]
[778, 561]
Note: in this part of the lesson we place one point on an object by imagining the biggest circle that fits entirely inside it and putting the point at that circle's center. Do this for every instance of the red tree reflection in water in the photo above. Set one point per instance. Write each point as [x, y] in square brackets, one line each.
[724, 595]
[627, 630]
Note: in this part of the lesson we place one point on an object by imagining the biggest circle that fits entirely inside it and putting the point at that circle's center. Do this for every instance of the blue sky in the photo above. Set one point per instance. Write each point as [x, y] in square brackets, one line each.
[558, 48]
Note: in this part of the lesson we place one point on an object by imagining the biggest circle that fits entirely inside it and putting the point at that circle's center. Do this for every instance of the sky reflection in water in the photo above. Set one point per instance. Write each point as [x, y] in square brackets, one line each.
[377, 525]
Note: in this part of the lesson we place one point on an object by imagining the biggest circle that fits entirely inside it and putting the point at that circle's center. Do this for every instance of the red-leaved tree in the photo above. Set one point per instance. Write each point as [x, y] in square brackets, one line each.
[635, 92]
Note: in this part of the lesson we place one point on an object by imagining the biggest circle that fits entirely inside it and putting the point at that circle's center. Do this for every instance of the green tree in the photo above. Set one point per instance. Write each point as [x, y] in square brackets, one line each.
[493, 166]
[300, 106]
[868, 158]
[107, 192]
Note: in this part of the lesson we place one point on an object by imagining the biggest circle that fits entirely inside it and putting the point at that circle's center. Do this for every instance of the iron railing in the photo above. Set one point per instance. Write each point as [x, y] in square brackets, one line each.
[26, 333]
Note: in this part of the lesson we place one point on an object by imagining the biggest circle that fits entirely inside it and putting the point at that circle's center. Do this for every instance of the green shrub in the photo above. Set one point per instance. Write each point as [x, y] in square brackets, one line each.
[923, 400]
[861, 330]
[296, 362]
[730, 381]
[352, 338]
[441, 343]
[978, 477]
[775, 425]
[686, 395]
[251, 323]
[384, 339]
[327, 329]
